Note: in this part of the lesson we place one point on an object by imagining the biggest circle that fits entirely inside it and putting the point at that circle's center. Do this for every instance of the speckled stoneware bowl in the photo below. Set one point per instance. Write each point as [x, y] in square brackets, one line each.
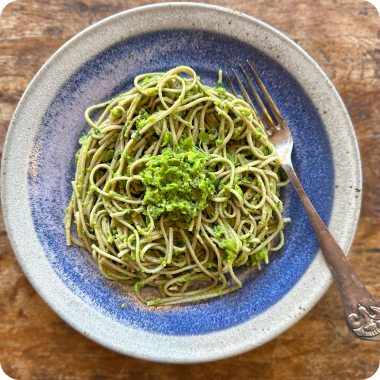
[38, 165]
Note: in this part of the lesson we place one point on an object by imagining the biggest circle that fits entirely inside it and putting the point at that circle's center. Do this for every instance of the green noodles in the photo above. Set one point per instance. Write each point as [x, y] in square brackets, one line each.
[176, 184]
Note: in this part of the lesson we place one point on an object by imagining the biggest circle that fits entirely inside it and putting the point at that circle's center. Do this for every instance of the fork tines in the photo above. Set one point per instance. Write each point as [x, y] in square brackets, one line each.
[261, 105]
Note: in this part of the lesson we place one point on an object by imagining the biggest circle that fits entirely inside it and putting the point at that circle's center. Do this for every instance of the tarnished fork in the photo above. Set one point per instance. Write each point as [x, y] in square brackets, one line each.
[361, 309]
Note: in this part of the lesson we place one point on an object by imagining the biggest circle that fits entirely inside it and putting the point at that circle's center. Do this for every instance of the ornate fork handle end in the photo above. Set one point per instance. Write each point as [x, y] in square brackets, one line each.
[361, 308]
[365, 324]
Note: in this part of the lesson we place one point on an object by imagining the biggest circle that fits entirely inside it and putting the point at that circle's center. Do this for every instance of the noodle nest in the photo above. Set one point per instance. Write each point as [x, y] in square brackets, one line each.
[176, 185]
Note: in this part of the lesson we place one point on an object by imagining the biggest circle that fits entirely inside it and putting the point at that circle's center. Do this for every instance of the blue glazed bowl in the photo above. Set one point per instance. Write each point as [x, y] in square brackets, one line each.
[38, 165]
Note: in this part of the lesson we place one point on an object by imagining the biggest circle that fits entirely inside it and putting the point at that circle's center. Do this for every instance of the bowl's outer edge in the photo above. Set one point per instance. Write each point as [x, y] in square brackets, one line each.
[24, 241]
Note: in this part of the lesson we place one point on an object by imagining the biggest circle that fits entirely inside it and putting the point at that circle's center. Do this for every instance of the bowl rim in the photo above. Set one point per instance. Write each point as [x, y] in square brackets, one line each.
[142, 344]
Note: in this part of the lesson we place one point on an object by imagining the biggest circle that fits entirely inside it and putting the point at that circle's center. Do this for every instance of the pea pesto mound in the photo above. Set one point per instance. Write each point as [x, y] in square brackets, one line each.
[176, 185]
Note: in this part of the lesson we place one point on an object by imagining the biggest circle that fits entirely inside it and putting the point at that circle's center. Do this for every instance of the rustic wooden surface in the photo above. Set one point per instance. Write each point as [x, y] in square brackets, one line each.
[343, 36]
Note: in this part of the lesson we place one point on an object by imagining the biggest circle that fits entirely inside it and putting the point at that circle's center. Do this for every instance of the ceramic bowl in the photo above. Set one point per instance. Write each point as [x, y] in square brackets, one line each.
[38, 165]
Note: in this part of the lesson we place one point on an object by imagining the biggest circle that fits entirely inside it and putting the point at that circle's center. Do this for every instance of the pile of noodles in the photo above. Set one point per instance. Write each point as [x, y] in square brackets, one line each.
[176, 184]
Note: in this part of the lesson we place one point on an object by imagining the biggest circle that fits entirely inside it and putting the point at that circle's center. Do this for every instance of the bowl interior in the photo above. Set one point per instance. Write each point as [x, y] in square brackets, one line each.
[52, 168]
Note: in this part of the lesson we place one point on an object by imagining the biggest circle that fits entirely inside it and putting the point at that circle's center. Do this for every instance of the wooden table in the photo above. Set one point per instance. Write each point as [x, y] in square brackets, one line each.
[343, 36]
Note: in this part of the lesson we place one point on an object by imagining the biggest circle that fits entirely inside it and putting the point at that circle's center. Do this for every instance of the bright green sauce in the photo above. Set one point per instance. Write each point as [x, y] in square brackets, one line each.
[229, 245]
[177, 182]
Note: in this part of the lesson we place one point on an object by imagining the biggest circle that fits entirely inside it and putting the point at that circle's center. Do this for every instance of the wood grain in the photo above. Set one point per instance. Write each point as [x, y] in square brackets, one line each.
[343, 36]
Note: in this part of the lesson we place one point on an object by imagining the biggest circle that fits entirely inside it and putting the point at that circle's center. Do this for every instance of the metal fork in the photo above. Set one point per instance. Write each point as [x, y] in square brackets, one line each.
[361, 309]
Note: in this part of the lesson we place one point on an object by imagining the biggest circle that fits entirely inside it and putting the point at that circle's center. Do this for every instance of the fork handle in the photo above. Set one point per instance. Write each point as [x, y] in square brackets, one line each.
[361, 309]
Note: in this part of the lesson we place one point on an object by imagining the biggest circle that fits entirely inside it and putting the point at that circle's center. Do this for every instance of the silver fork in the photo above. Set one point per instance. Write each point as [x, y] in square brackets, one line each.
[361, 309]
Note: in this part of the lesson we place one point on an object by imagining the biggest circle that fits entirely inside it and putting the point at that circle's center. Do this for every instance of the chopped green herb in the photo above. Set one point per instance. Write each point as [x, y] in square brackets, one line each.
[218, 231]
[176, 182]
[229, 245]
[77, 154]
[166, 138]
[239, 190]
[108, 156]
[136, 136]
[82, 139]
[137, 286]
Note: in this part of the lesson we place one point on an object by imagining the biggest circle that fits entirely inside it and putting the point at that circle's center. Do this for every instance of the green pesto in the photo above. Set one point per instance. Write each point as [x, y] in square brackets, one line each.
[206, 137]
[218, 231]
[220, 90]
[108, 156]
[143, 118]
[136, 136]
[82, 139]
[77, 154]
[257, 257]
[166, 138]
[229, 246]
[177, 182]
